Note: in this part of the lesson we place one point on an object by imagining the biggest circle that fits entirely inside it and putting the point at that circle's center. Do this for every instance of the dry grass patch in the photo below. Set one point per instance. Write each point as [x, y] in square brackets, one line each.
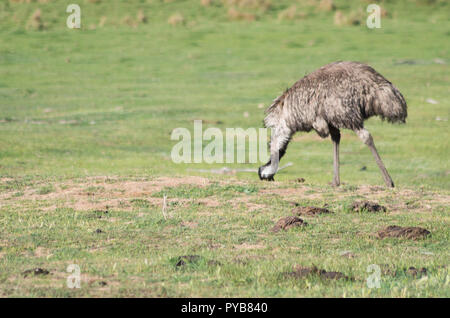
[327, 5]
[353, 18]
[176, 19]
[291, 13]
[206, 3]
[141, 17]
[35, 22]
[235, 15]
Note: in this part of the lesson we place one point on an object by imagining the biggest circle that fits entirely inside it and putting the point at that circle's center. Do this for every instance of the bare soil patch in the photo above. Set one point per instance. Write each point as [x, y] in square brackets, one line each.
[287, 223]
[41, 252]
[247, 246]
[191, 225]
[347, 254]
[412, 233]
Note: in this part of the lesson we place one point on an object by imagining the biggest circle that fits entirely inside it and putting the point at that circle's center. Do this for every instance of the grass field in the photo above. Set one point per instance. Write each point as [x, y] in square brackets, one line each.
[85, 123]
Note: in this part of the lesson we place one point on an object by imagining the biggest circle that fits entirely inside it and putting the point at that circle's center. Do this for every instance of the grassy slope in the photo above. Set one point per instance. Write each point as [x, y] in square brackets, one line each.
[103, 101]
[228, 223]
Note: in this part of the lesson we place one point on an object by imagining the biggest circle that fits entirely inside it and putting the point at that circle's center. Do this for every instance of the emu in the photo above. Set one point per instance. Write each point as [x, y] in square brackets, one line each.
[336, 96]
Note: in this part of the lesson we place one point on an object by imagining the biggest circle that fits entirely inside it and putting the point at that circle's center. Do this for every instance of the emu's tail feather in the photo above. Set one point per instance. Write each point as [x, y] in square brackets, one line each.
[390, 104]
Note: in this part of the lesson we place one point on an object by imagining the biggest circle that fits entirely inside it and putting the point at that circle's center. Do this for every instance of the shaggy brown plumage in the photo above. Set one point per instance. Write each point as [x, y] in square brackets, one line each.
[337, 95]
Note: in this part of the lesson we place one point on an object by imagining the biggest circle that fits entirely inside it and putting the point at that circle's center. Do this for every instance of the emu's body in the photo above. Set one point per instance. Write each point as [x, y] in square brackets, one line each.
[338, 95]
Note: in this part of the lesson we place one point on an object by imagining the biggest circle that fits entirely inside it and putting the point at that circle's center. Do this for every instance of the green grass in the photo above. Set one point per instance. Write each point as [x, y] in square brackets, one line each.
[103, 101]
[139, 246]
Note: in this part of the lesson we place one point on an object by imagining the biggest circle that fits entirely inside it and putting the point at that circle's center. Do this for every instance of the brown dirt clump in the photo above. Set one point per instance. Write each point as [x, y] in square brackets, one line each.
[309, 211]
[183, 260]
[390, 270]
[411, 233]
[287, 223]
[193, 259]
[36, 272]
[416, 271]
[302, 272]
[368, 206]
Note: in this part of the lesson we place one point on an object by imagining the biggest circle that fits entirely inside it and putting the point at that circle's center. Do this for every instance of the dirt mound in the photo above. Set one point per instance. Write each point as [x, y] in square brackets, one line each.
[416, 271]
[36, 272]
[412, 233]
[194, 259]
[359, 206]
[302, 272]
[387, 269]
[309, 210]
[185, 259]
[287, 223]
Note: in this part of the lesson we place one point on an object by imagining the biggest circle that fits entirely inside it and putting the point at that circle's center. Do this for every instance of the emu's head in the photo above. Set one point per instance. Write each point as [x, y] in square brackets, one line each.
[266, 172]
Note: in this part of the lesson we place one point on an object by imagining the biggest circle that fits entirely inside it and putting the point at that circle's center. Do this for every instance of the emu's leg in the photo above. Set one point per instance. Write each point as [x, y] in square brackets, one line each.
[365, 136]
[336, 138]
[278, 144]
